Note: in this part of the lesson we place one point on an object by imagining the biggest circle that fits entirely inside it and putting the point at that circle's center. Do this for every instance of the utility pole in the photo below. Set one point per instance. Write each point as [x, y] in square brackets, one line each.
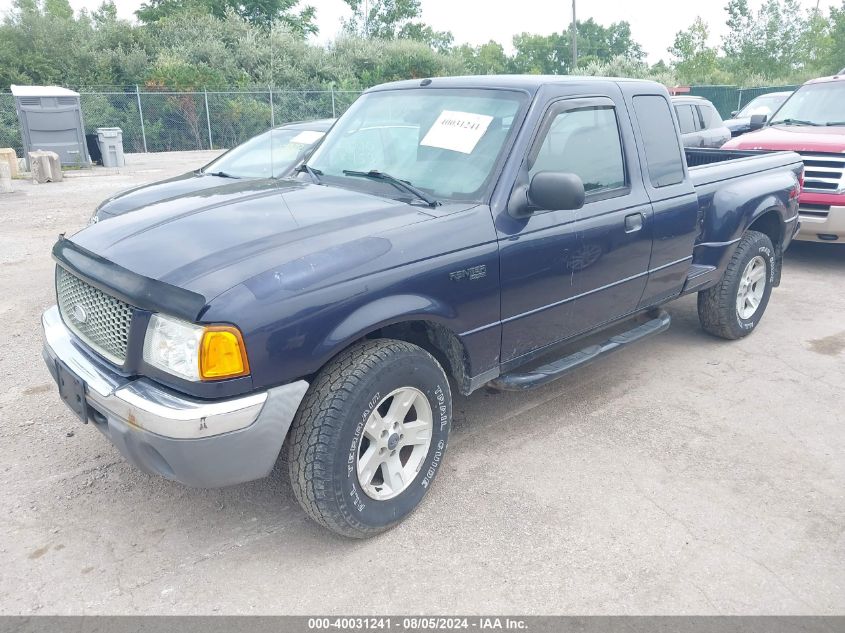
[574, 40]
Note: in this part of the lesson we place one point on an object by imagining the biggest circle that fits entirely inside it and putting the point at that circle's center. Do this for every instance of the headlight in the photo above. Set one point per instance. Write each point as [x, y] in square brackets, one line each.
[195, 352]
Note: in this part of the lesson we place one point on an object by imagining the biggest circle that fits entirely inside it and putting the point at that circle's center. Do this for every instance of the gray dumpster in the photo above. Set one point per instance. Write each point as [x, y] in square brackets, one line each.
[110, 140]
[51, 120]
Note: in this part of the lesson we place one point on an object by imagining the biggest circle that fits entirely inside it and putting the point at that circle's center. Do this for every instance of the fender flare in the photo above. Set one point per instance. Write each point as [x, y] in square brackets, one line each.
[767, 205]
[381, 313]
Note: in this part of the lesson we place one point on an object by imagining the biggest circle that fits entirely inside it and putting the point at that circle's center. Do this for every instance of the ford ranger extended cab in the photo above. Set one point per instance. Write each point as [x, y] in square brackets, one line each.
[448, 233]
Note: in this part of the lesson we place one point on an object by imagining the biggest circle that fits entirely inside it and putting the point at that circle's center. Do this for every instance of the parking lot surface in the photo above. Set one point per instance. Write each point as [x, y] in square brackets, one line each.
[686, 475]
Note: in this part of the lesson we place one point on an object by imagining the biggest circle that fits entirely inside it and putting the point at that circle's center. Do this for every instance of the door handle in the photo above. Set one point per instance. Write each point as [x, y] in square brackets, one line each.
[633, 222]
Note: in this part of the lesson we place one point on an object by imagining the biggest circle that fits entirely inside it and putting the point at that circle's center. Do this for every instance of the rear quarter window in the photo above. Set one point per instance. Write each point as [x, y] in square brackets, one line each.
[710, 117]
[663, 154]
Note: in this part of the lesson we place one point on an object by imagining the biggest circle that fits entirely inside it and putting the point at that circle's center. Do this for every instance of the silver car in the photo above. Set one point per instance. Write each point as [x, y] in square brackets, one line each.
[701, 125]
[766, 104]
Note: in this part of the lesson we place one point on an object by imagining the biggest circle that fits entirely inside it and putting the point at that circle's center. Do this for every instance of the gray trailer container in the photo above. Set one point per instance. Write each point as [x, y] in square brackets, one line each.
[51, 120]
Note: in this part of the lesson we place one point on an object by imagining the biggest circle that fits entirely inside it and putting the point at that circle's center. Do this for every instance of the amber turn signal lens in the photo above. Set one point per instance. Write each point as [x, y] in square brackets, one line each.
[222, 353]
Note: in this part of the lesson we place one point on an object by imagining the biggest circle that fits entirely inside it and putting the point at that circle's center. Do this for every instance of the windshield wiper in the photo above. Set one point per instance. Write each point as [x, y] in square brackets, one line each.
[404, 185]
[835, 123]
[221, 174]
[314, 173]
[794, 122]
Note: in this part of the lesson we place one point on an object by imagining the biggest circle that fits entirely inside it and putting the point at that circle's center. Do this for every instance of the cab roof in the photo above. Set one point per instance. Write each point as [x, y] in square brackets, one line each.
[824, 80]
[527, 83]
[690, 98]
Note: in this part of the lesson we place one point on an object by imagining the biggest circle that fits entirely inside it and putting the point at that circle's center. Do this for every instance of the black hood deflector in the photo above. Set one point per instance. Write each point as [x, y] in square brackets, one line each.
[132, 288]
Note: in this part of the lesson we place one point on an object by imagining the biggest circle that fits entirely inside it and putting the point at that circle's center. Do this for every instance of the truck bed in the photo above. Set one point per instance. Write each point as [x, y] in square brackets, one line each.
[715, 165]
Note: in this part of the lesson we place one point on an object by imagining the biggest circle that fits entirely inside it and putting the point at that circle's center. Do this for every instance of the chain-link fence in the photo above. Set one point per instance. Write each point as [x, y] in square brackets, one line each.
[10, 134]
[728, 99]
[160, 121]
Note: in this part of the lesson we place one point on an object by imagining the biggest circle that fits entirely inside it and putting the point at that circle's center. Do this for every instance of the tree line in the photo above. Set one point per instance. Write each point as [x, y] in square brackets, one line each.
[195, 44]
[779, 43]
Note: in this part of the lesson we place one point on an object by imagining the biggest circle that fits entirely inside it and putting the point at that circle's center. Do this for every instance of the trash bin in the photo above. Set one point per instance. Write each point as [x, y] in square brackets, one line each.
[110, 140]
[92, 141]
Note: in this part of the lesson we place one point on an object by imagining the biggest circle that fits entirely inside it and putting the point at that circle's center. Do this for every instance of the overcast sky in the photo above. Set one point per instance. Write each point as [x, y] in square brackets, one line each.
[653, 22]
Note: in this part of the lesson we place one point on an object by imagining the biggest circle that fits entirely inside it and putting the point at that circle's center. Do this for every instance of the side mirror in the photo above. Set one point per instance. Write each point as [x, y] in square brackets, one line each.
[734, 113]
[757, 121]
[556, 191]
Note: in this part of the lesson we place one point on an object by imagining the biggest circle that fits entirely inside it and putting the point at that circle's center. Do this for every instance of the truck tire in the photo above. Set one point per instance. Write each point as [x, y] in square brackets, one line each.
[732, 308]
[370, 436]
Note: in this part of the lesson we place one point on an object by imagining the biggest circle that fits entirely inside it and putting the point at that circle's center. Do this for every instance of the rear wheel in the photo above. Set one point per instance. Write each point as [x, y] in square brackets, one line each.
[733, 308]
[370, 436]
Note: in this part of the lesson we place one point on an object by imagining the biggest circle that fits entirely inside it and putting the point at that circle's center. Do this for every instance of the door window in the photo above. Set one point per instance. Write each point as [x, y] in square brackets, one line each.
[584, 141]
[686, 118]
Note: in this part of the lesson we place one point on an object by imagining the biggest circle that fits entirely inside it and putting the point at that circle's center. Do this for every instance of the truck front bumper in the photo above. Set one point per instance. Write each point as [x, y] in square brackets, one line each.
[822, 225]
[200, 443]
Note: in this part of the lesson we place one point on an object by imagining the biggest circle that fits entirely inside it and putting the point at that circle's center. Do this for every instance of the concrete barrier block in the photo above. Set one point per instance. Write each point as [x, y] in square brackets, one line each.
[45, 166]
[5, 178]
[8, 155]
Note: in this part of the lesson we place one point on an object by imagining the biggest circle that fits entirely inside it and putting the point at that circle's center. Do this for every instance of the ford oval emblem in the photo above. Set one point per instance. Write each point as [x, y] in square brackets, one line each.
[79, 314]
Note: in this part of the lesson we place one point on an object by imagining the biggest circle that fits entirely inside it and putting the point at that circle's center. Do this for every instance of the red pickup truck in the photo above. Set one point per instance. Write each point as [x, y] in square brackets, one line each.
[812, 123]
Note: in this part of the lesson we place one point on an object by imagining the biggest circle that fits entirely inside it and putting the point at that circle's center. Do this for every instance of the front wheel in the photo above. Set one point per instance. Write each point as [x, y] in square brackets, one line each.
[732, 308]
[370, 436]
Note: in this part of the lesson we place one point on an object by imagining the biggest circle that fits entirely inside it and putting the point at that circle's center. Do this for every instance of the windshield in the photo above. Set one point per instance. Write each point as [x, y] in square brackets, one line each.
[814, 104]
[765, 104]
[444, 142]
[253, 158]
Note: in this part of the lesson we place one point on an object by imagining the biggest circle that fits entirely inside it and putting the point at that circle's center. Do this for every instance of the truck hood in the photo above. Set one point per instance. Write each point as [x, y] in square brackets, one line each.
[797, 138]
[209, 241]
[139, 197]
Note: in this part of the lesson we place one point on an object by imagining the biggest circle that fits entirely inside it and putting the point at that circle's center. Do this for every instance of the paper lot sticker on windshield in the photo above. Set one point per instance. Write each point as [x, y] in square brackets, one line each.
[457, 131]
[307, 137]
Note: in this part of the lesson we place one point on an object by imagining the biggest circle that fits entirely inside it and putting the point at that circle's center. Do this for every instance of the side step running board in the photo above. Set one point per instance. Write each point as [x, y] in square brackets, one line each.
[554, 370]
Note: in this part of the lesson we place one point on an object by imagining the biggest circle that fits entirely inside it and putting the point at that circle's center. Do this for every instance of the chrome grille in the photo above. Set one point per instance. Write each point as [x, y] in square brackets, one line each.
[823, 173]
[100, 320]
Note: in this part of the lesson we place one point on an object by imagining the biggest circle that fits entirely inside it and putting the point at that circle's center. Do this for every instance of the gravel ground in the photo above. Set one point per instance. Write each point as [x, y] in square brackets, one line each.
[687, 475]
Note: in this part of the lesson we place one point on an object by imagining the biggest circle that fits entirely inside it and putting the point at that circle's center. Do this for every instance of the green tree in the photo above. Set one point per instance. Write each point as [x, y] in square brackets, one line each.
[257, 12]
[660, 67]
[831, 53]
[695, 61]
[836, 59]
[58, 9]
[380, 19]
[606, 43]
[30, 36]
[365, 62]
[393, 20]
[625, 67]
[24, 8]
[552, 54]
[541, 54]
[767, 44]
[817, 41]
[440, 41]
[107, 12]
[487, 59]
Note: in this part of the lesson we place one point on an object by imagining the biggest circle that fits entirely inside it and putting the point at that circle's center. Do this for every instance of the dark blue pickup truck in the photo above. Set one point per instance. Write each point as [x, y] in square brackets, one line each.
[447, 234]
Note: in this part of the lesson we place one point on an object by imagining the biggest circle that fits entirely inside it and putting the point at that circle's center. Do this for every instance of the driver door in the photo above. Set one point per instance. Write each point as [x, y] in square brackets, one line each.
[566, 272]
